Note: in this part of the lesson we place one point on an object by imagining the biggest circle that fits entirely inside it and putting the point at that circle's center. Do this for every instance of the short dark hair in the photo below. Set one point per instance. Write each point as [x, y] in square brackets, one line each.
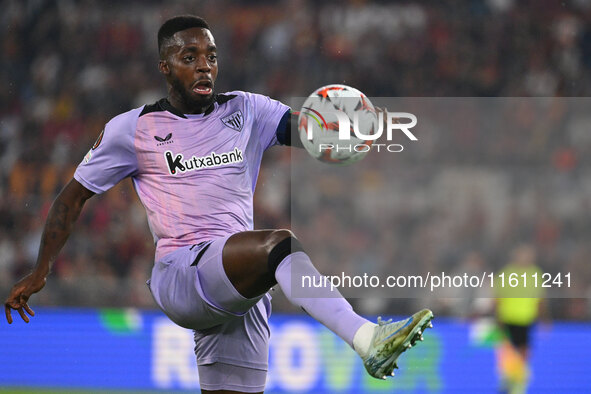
[176, 24]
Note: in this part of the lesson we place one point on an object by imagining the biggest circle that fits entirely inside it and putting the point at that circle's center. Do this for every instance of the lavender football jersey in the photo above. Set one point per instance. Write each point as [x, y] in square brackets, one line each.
[194, 174]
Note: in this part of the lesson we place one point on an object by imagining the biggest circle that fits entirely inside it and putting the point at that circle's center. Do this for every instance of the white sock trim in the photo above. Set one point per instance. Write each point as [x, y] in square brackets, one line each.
[362, 338]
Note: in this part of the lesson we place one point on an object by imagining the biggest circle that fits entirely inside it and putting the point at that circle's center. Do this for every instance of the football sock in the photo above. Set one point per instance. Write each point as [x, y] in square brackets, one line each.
[362, 338]
[323, 304]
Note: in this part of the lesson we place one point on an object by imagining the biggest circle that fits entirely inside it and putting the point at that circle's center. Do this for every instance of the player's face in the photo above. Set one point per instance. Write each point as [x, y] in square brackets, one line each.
[191, 69]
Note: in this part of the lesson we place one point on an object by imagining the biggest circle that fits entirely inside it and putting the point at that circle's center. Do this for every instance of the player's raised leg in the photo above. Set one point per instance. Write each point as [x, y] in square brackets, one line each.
[254, 261]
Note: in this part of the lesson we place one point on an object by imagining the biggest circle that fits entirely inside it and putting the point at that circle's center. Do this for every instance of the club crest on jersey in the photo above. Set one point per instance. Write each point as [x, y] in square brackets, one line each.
[178, 164]
[234, 121]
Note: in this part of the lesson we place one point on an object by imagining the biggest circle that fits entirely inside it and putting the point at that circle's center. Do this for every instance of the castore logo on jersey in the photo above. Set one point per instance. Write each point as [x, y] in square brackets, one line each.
[165, 140]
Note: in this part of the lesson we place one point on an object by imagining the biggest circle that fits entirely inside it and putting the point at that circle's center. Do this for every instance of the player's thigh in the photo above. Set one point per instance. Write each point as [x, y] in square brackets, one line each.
[176, 286]
[226, 378]
[246, 260]
[217, 287]
[200, 286]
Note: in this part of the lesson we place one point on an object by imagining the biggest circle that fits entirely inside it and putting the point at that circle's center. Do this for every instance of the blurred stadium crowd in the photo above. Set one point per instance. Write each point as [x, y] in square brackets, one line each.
[67, 67]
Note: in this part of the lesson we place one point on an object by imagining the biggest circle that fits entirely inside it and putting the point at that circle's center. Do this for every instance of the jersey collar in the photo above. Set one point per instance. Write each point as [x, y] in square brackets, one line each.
[218, 99]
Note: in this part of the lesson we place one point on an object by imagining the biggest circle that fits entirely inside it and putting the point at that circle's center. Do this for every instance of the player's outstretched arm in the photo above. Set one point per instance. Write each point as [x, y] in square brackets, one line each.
[60, 220]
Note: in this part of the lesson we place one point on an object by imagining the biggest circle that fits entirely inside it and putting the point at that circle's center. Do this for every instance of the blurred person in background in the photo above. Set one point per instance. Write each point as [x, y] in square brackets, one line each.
[518, 307]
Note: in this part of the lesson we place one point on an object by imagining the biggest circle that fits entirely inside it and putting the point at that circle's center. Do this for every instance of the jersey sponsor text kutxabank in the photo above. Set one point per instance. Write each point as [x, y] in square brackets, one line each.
[195, 174]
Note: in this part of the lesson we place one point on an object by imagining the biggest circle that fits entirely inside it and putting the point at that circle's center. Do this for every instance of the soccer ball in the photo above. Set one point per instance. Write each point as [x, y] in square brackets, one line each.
[335, 122]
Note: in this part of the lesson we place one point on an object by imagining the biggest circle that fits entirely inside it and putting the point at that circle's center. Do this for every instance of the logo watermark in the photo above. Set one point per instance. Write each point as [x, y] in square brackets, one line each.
[394, 121]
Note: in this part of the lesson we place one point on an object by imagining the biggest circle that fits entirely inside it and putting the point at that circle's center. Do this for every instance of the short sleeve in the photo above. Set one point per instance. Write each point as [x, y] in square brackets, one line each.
[268, 114]
[112, 157]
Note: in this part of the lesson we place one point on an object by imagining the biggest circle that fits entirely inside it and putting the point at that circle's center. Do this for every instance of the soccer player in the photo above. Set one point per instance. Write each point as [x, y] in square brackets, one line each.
[518, 308]
[194, 158]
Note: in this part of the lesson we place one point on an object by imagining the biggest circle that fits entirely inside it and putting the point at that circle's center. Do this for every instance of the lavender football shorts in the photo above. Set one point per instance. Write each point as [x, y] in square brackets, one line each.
[221, 376]
[191, 287]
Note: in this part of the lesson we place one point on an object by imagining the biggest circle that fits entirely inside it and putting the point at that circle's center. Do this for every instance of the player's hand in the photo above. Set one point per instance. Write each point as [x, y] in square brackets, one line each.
[19, 295]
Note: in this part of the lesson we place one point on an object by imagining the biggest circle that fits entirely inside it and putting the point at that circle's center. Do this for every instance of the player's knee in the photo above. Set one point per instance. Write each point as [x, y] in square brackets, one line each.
[275, 237]
[281, 243]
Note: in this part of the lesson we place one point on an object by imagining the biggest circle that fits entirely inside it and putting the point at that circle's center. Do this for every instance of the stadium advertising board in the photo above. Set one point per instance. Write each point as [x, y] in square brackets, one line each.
[114, 349]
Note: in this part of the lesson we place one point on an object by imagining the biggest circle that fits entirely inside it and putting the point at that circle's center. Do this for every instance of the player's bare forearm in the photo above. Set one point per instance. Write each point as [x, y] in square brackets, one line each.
[61, 218]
